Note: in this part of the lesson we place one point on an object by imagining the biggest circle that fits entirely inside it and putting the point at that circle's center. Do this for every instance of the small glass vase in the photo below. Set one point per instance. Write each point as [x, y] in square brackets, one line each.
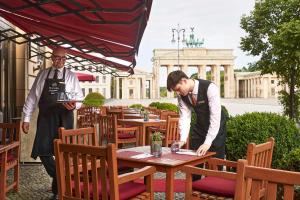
[156, 148]
[146, 116]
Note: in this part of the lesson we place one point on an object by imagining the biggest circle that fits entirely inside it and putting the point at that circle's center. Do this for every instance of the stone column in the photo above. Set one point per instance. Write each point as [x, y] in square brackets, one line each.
[254, 87]
[237, 89]
[184, 68]
[215, 75]
[202, 71]
[226, 82]
[143, 95]
[245, 89]
[155, 88]
[249, 88]
[169, 70]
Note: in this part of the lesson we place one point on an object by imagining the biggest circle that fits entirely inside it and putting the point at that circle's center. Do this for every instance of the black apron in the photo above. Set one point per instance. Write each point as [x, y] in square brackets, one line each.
[52, 115]
[200, 129]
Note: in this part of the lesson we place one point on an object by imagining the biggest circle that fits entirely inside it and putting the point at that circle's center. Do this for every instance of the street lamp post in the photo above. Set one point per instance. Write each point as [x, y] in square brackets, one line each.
[178, 30]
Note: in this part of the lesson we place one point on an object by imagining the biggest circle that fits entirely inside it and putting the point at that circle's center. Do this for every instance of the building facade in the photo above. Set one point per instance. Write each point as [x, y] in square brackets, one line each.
[102, 85]
[201, 58]
[136, 86]
[255, 85]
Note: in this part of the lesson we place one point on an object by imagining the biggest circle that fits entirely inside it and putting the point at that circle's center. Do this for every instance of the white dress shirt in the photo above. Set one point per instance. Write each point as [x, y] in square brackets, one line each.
[72, 85]
[214, 103]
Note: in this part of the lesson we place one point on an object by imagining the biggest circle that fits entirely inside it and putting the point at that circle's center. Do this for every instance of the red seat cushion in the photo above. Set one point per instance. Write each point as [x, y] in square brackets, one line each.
[125, 136]
[215, 185]
[126, 190]
[10, 157]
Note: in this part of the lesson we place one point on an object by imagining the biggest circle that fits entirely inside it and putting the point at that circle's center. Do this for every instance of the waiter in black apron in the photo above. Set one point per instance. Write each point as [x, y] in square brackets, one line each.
[209, 132]
[52, 115]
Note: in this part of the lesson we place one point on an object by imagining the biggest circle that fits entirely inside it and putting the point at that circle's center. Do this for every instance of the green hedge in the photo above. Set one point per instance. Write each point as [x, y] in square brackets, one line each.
[258, 127]
[164, 106]
[94, 99]
[292, 160]
[138, 106]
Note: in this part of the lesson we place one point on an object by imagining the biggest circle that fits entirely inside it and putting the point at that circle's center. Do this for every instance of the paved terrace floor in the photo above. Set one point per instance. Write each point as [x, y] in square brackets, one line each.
[35, 184]
[234, 106]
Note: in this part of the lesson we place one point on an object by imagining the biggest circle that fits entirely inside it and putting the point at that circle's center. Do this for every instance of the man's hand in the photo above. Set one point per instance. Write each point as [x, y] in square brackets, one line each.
[25, 127]
[70, 105]
[202, 149]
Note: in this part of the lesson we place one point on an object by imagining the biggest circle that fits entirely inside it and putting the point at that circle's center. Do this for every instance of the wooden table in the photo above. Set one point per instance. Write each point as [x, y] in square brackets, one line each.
[3, 171]
[169, 163]
[139, 116]
[143, 125]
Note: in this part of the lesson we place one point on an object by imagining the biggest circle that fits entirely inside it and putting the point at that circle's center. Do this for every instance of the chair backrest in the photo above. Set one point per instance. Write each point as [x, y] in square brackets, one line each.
[260, 155]
[116, 112]
[258, 176]
[106, 129]
[84, 136]
[172, 131]
[10, 132]
[76, 183]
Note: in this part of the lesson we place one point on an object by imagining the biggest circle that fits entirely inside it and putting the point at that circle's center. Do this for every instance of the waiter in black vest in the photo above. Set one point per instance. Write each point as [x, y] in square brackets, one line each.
[209, 132]
[48, 84]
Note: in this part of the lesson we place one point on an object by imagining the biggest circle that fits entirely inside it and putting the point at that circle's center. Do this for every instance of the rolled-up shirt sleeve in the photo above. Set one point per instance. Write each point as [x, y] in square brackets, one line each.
[184, 120]
[214, 102]
[32, 98]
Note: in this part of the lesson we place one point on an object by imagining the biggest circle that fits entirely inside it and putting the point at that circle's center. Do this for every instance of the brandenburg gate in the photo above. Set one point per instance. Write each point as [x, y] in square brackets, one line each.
[201, 58]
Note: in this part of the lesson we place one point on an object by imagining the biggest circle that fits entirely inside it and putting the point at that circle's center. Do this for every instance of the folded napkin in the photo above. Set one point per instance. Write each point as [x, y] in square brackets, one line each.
[143, 155]
[191, 153]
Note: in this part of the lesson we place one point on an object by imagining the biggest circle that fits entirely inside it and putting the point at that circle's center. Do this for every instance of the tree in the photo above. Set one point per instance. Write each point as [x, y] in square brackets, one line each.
[273, 34]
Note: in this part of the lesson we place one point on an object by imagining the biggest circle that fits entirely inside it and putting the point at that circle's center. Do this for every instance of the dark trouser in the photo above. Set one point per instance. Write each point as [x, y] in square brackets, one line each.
[49, 164]
[218, 146]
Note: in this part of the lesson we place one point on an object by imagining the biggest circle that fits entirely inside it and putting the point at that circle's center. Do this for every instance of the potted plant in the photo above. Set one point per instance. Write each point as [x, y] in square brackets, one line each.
[156, 144]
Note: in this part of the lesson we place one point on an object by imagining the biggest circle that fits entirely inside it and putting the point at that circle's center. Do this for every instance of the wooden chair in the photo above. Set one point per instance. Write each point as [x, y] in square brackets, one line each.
[10, 135]
[105, 182]
[172, 131]
[87, 116]
[164, 114]
[85, 136]
[219, 184]
[259, 176]
[111, 132]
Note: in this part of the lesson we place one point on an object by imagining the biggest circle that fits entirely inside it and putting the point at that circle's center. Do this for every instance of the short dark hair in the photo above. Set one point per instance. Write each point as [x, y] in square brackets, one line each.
[174, 78]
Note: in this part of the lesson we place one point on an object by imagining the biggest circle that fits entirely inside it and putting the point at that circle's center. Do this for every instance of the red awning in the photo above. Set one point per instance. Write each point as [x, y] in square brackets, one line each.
[85, 77]
[110, 28]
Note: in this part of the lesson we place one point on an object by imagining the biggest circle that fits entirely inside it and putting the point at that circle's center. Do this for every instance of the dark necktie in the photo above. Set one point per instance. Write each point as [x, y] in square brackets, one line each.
[55, 74]
[193, 99]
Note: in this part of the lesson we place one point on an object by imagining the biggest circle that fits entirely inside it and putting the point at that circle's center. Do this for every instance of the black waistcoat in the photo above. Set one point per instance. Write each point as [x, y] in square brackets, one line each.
[52, 115]
[201, 109]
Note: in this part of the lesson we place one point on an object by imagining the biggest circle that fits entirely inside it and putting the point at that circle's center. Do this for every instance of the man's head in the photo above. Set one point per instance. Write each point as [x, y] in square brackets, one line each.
[179, 82]
[59, 57]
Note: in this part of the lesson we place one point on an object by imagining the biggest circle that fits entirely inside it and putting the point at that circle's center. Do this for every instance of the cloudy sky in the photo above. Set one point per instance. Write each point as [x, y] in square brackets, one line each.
[217, 21]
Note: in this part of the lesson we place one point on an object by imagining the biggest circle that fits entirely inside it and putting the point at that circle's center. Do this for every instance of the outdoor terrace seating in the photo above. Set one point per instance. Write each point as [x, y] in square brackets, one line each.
[10, 156]
[219, 184]
[105, 182]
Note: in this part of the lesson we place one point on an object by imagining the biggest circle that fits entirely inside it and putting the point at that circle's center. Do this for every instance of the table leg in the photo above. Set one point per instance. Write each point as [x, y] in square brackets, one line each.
[170, 184]
[143, 135]
[140, 136]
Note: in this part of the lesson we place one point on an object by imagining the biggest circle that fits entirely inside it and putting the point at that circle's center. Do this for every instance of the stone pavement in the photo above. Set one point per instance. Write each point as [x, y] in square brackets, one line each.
[234, 106]
[34, 183]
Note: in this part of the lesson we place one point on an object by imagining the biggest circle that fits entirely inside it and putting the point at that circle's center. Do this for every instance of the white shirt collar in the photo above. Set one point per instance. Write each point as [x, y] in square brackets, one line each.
[60, 69]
